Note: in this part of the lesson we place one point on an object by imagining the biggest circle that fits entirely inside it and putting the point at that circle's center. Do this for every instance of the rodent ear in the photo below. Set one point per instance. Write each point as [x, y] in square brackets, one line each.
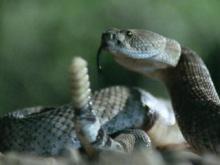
[173, 50]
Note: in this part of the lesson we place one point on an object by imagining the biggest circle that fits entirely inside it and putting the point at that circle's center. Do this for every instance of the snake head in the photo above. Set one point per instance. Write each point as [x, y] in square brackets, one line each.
[140, 50]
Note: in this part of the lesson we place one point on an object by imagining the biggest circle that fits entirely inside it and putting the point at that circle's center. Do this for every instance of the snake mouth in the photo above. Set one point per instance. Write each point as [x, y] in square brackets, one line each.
[146, 64]
[133, 56]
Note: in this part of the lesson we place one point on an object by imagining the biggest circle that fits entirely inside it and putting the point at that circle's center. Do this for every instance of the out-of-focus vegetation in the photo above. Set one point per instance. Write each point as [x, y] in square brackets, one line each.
[38, 39]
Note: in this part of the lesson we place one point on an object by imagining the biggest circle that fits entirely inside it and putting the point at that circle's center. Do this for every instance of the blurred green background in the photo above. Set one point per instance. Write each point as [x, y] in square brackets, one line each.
[38, 39]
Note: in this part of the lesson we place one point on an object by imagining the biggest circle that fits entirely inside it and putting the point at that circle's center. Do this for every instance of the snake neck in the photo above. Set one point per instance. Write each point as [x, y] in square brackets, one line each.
[190, 83]
[190, 80]
[194, 98]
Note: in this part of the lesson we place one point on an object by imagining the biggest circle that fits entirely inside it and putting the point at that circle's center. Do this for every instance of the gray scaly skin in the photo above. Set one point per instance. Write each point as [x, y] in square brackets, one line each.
[194, 98]
[50, 130]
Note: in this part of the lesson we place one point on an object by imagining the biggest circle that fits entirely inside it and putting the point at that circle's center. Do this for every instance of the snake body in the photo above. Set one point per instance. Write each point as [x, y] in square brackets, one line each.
[196, 101]
[50, 130]
[194, 98]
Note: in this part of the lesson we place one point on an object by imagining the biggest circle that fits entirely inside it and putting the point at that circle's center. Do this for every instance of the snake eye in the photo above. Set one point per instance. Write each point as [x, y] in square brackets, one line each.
[129, 33]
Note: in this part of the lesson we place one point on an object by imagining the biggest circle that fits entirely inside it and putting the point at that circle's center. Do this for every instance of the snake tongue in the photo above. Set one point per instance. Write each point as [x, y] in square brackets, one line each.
[98, 56]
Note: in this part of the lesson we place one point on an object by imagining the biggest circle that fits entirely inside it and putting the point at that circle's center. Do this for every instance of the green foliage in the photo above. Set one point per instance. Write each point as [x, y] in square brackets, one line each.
[40, 37]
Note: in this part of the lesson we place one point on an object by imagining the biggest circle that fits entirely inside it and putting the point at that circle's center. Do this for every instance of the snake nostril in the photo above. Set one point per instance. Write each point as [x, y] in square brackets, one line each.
[108, 36]
[119, 42]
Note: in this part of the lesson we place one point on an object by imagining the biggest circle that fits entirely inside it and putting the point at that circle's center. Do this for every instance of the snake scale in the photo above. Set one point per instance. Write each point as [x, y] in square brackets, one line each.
[49, 130]
[107, 120]
[194, 97]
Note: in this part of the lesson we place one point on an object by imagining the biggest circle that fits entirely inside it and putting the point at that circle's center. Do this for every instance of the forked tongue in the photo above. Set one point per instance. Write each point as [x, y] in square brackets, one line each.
[99, 67]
